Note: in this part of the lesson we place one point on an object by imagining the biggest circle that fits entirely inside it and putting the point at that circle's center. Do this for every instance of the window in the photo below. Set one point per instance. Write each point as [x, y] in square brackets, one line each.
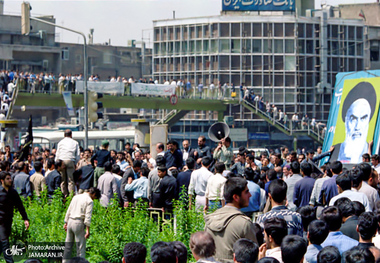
[107, 57]
[65, 54]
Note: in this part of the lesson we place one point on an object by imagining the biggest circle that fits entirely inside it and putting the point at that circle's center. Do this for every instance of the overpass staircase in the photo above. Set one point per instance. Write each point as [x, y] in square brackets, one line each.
[172, 117]
[290, 131]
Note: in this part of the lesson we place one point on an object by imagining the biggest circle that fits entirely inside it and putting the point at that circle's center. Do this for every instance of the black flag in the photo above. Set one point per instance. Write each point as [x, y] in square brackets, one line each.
[28, 142]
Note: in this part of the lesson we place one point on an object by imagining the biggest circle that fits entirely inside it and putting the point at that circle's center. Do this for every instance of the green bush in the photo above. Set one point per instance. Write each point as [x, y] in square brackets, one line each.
[111, 228]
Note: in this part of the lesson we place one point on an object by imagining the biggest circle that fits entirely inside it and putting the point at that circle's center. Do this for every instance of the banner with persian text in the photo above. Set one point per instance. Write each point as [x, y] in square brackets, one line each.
[153, 89]
[101, 87]
[258, 5]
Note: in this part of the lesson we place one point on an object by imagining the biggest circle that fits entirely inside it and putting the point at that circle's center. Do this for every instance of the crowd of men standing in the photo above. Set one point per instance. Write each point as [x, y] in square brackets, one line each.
[277, 206]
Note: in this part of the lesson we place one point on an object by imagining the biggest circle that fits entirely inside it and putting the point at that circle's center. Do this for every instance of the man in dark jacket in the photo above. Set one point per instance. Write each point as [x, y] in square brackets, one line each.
[53, 179]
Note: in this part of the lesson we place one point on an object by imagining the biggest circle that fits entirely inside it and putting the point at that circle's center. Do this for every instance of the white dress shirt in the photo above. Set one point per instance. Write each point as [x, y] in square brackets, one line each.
[80, 208]
[215, 187]
[68, 149]
[198, 181]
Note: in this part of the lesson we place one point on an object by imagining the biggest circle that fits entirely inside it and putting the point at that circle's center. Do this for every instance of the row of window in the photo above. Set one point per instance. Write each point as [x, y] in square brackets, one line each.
[217, 30]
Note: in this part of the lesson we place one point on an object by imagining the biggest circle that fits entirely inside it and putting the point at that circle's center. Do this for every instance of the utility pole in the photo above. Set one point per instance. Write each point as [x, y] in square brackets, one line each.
[25, 29]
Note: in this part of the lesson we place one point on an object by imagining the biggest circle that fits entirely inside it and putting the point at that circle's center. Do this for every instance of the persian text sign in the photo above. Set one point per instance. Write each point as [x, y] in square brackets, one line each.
[258, 5]
[153, 89]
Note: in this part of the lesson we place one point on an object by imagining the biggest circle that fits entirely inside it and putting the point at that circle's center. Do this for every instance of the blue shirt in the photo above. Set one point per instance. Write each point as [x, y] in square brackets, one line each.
[340, 241]
[254, 200]
[330, 189]
[139, 186]
[312, 252]
[302, 191]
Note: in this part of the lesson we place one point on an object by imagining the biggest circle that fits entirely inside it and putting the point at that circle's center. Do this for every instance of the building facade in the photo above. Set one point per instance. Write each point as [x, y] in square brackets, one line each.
[290, 60]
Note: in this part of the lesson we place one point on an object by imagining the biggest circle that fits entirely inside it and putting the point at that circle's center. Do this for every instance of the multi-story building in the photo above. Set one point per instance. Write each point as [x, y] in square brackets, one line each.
[289, 59]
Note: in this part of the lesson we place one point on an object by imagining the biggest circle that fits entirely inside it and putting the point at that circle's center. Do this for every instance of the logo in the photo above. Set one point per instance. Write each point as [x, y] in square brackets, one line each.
[14, 251]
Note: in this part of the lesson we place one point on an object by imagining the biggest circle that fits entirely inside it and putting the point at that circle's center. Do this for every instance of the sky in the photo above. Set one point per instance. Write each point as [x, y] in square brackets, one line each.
[120, 21]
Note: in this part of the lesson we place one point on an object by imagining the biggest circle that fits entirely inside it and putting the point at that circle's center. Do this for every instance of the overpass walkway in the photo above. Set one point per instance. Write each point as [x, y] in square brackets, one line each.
[177, 112]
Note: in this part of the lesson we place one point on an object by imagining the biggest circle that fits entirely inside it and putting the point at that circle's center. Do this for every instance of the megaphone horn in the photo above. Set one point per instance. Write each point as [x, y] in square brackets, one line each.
[218, 131]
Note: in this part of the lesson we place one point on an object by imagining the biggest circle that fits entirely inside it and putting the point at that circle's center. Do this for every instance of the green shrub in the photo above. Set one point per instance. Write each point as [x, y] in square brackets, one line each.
[111, 228]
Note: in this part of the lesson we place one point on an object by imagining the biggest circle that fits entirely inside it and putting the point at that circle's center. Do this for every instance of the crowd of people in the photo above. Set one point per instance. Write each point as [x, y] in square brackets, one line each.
[259, 207]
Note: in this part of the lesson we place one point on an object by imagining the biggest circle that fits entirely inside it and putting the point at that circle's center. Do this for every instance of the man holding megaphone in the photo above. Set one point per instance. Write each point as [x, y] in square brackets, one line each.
[223, 153]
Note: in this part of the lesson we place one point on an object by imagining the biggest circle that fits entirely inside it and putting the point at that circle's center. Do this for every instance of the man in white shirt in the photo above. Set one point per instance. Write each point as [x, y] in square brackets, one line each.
[160, 147]
[78, 221]
[212, 90]
[215, 188]
[345, 181]
[198, 183]
[375, 160]
[369, 184]
[68, 152]
[107, 185]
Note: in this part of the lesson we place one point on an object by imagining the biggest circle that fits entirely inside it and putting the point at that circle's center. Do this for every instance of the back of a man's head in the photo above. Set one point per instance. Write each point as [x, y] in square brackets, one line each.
[271, 174]
[329, 254]
[367, 225]
[358, 255]
[180, 250]
[308, 215]
[202, 244]
[317, 232]
[336, 167]
[190, 163]
[344, 181]
[293, 248]
[134, 252]
[345, 206]
[277, 190]
[163, 253]
[68, 133]
[220, 167]
[359, 208]
[276, 228]
[306, 168]
[245, 251]
[206, 161]
[356, 177]
[234, 185]
[366, 169]
[332, 217]
[295, 167]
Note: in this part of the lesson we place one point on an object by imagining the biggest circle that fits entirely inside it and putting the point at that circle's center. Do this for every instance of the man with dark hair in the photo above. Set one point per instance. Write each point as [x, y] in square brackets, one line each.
[140, 186]
[167, 191]
[180, 250]
[78, 220]
[37, 180]
[277, 197]
[134, 252]
[183, 178]
[21, 180]
[329, 187]
[228, 224]
[107, 185]
[202, 246]
[198, 183]
[347, 180]
[154, 179]
[358, 255]
[349, 219]
[316, 234]
[130, 174]
[291, 183]
[68, 151]
[271, 175]
[202, 151]
[9, 200]
[375, 160]
[239, 165]
[304, 187]
[187, 151]
[366, 188]
[223, 152]
[173, 156]
[164, 253]
[214, 189]
[245, 251]
[314, 198]
[275, 230]
[86, 175]
[293, 249]
[366, 158]
[329, 254]
[101, 157]
[308, 215]
[254, 189]
[367, 229]
[53, 179]
[333, 219]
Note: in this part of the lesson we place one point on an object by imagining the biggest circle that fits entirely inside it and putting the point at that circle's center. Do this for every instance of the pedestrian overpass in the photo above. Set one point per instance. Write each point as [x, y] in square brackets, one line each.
[177, 111]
